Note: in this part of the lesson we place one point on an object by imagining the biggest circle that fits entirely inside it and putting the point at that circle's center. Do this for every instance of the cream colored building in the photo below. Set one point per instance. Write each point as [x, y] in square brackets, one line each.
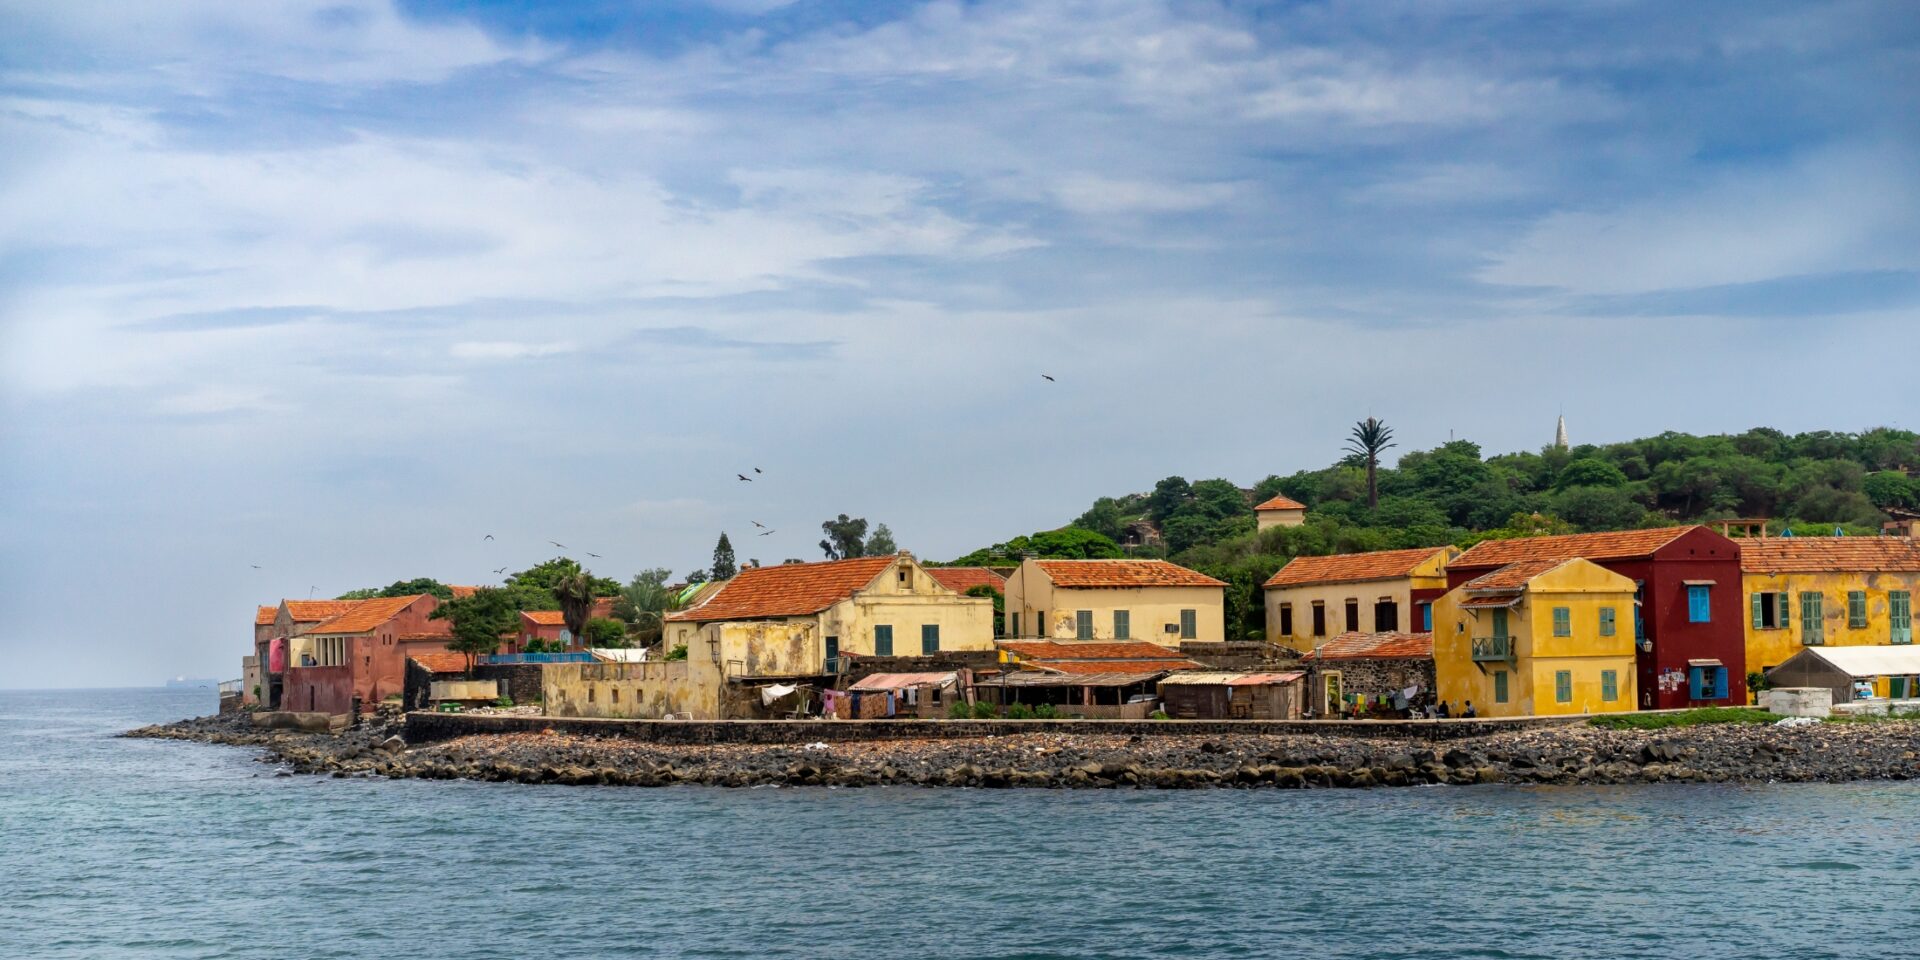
[772, 624]
[1114, 600]
[1389, 591]
[1280, 511]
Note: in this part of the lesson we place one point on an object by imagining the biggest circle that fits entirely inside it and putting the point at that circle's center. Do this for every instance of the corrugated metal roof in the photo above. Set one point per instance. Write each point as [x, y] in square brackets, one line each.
[1220, 678]
[1036, 678]
[901, 681]
[1903, 660]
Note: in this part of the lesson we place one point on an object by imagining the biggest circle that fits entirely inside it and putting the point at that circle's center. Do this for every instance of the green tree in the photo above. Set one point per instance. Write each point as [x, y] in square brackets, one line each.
[1599, 508]
[1103, 518]
[846, 538]
[1168, 496]
[1371, 437]
[1066, 543]
[1590, 472]
[644, 604]
[604, 632]
[881, 543]
[724, 566]
[575, 594]
[1889, 488]
[478, 621]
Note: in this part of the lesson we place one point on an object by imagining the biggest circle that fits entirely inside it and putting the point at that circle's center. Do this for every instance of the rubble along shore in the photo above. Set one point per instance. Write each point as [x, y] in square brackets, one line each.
[1576, 754]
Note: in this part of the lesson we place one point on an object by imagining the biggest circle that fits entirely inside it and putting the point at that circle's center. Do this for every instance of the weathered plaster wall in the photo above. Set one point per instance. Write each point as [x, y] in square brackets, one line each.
[630, 690]
[1768, 647]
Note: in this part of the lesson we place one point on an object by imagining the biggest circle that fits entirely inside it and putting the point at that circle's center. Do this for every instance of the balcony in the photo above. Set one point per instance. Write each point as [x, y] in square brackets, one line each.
[1496, 649]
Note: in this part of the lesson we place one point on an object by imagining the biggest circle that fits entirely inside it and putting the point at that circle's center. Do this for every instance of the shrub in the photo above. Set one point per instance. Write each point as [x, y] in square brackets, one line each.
[1685, 718]
[1158, 715]
[1019, 711]
[604, 632]
[503, 702]
[1046, 711]
[677, 653]
[959, 710]
[984, 711]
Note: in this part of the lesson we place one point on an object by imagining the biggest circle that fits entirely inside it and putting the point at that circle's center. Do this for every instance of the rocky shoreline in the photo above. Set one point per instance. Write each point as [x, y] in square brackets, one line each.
[1578, 754]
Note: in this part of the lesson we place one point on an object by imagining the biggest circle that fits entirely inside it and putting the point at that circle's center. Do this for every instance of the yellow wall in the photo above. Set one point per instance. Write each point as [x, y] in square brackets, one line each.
[1268, 519]
[1771, 646]
[646, 691]
[1584, 589]
[1429, 575]
[1149, 609]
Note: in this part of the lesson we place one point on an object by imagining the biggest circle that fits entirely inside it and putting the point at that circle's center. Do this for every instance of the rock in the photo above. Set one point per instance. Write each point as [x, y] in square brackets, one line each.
[393, 744]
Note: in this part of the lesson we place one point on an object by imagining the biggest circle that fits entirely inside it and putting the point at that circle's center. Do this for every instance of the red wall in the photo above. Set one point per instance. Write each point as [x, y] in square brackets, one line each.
[321, 689]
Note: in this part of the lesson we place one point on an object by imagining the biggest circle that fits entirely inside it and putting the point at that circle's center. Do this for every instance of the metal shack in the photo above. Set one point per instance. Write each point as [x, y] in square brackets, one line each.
[1893, 671]
[1217, 695]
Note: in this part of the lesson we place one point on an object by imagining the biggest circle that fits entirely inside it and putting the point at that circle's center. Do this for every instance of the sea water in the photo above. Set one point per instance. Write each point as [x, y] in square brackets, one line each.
[116, 848]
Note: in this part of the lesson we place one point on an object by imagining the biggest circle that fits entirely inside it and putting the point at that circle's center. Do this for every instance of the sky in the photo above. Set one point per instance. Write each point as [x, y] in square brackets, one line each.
[299, 297]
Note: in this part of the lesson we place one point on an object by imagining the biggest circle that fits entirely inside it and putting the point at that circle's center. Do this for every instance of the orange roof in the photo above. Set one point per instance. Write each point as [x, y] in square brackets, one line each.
[1087, 649]
[1281, 502]
[602, 608]
[1371, 646]
[436, 630]
[1829, 555]
[1351, 567]
[786, 590]
[1111, 666]
[313, 611]
[962, 579]
[441, 662]
[1615, 545]
[265, 616]
[1513, 576]
[367, 614]
[1123, 573]
[461, 591]
[544, 618]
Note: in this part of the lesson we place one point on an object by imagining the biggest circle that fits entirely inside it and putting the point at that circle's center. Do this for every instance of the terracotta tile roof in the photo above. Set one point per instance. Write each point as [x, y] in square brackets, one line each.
[544, 618]
[1281, 502]
[367, 614]
[1351, 567]
[1374, 646]
[602, 608]
[1616, 545]
[441, 662]
[1123, 573]
[461, 591]
[962, 579]
[1086, 649]
[1105, 667]
[265, 616]
[787, 590]
[314, 611]
[1514, 576]
[436, 630]
[1829, 555]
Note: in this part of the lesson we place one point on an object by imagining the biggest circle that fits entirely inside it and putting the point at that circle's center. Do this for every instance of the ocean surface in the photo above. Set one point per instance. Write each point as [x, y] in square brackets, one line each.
[137, 848]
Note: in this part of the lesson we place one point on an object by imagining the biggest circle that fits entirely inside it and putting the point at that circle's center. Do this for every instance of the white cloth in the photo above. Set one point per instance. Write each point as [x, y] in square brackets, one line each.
[770, 693]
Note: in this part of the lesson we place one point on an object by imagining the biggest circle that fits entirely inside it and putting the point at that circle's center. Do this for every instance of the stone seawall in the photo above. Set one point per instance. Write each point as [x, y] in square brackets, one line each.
[426, 727]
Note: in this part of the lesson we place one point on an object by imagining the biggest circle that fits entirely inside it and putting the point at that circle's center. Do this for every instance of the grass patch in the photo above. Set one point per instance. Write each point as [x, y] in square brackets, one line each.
[1896, 717]
[1700, 716]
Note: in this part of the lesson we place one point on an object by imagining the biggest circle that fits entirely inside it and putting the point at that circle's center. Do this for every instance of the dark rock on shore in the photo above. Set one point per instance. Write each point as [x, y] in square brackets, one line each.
[1553, 755]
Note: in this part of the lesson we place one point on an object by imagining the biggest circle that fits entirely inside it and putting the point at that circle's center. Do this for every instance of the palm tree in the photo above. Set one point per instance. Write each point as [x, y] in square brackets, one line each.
[1371, 437]
[575, 593]
[646, 602]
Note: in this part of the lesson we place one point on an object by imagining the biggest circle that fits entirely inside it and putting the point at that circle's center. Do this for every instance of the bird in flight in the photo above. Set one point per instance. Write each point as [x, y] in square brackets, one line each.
[744, 477]
[254, 565]
[758, 524]
[758, 470]
[596, 556]
[767, 534]
[501, 570]
[1048, 379]
[558, 544]
[487, 537]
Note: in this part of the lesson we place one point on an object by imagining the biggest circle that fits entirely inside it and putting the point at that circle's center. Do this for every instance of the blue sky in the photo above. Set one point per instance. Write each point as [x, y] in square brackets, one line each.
[335, 289]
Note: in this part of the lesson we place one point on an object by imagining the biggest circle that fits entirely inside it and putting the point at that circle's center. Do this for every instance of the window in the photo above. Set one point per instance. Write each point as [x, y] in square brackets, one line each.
[1609, 685]
[1286, 619]
[1426, 617]
[1083, 624]
[1386, 616]
[904, 580]
[929, 639]
[1812, 620]
[1563, 686]
[1856, 609]
[1013, 624]
[1353, 614]
[1562, 622]
[589, 693]
[1122, 625]
[883, 640]
[616, 693]
[1769, 611]
[1499, 686]
[1319, 618]
[1900, 616]
[1607, 628]
[1189, 624]
[833, 652]
[1699, 604]
[1707, 683]
[1500, 624]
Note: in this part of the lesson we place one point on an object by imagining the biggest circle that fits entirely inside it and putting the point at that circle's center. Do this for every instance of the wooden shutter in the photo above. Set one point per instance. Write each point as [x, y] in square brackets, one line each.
[1758, 601]
[883, 640]
[1856, 609]
[1562, 622]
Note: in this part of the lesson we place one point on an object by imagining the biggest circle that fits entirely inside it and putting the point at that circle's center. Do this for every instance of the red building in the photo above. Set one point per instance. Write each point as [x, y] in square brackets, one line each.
[1688, 609]
[360, 654]
[551, 625]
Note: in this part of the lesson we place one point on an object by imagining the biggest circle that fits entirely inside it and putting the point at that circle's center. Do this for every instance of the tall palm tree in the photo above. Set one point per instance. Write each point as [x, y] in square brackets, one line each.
[575, 593]
[1371, 437]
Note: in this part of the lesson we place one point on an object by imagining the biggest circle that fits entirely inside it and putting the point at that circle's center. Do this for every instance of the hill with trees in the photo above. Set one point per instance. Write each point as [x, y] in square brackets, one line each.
[1813, 483]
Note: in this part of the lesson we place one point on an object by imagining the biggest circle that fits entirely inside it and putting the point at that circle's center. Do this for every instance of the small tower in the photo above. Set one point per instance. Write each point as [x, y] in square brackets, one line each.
[1560, 435]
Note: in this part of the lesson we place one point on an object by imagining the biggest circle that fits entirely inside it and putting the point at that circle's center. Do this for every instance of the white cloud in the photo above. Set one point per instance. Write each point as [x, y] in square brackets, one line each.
[1097, 195]
[508, 349]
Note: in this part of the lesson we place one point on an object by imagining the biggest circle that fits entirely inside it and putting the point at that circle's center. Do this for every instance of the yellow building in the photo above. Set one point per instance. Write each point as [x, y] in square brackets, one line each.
[1280, 511]
[1114, 600]
[1387, 591]
[1826, 591]
[1537, 638]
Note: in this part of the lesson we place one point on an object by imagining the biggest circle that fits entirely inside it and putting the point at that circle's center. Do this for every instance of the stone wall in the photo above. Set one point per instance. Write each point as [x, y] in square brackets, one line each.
[434, 727]
[1235, 654]
[1370, 677]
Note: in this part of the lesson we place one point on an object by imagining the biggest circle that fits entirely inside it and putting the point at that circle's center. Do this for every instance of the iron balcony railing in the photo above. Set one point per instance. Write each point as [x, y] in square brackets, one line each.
[1492, 648]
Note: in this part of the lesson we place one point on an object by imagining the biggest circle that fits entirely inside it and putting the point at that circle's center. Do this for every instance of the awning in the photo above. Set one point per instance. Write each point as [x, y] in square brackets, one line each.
[1489, 603]
[1698, 583]
[1705, 663]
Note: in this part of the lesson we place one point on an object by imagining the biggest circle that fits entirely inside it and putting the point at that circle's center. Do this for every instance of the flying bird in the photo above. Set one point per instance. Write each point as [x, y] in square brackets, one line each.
[744, 477]
[767, 534]
[758, 470]
[501, 570]
[596, 556]
[1048, 379]
[558, 544]
[254, 565]
[758, 524]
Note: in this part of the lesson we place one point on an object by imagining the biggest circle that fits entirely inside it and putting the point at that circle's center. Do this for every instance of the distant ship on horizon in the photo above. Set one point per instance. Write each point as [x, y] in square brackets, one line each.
[191, 683]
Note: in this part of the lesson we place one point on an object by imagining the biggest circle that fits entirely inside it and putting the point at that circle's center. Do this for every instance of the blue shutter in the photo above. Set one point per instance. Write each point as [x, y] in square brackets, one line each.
[1426, 617]
[1699, 605]
[1720, 683]
[1563, 686]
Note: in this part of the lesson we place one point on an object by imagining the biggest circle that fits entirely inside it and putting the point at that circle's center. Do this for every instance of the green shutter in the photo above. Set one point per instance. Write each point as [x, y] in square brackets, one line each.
[1189, 624]
[1606, 621]
[1122, 625]
[929, 639]
[1083, 624]
[1563, 686]
[1609, 685]
[1499, 686]
[883, 640]
[1759, 599]
[1782, 609]
[1900, 616]
[1856, 609]
[1562, 622]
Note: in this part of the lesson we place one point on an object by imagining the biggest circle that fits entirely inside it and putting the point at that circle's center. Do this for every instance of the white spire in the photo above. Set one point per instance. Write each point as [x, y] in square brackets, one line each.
[1560, 435]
